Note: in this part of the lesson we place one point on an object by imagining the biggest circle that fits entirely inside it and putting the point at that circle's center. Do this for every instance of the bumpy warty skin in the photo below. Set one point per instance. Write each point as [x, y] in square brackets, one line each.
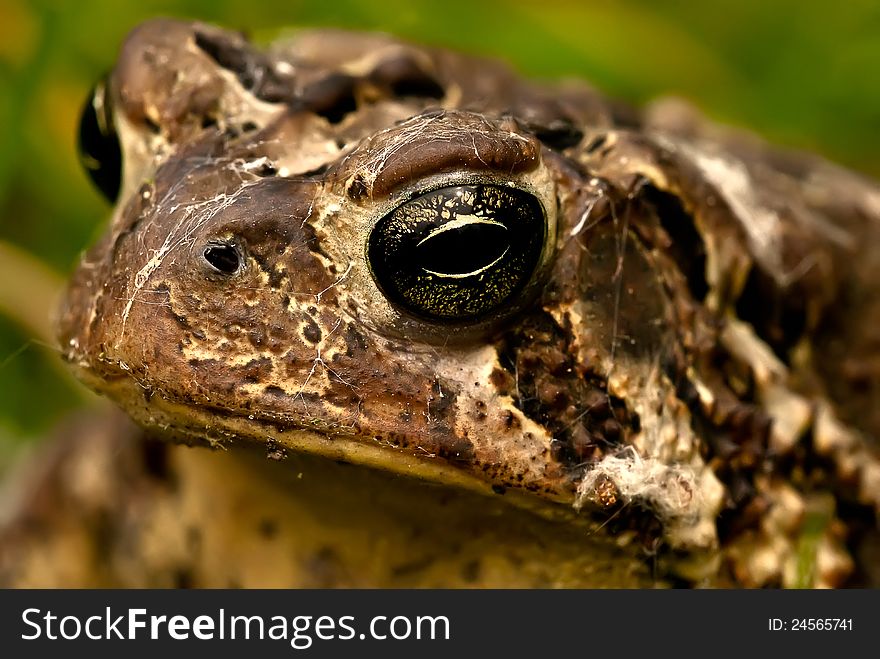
[682, 360]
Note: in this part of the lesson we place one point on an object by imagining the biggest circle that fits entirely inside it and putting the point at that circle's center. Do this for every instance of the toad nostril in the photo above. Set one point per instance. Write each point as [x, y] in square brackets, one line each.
[223, 258]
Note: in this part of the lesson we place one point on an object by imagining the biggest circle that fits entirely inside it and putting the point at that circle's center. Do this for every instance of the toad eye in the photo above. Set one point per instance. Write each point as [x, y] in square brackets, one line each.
[99, 150]
[458, 253]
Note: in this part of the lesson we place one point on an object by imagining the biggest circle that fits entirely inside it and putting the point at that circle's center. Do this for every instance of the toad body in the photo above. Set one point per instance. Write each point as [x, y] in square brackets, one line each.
[628, 339]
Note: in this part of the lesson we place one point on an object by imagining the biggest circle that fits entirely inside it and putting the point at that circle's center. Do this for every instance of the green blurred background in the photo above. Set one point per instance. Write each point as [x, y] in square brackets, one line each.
[803, 73]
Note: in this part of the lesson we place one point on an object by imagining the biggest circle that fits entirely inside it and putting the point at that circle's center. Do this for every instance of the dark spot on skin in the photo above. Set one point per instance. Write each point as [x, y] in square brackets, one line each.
[612, 431]
[441, 400]
[499, 489]
[571, 404]
[331, 97]
[426, 431]
[557, 134]
[278, 332]
[734, 435]
[184, 578]
[311, 331]
[597, 404]
[276, 277]
[412, 567]
[357, 189]
[778, 316]
[596, 143]
[274, 390]
[685, 390]
[687, 249]
[266, 168]
[402, 77]
[257, 337]
[355, 342]
[151, 125]
[314, 246]
[181, 320]
[268, 528]
[455, 449]
[550, 394]
[261, 260]
[251, 67]
[511, 421]
[255, 370]
[315, 397]
[470, 571]
[582, 442]
[635, 422]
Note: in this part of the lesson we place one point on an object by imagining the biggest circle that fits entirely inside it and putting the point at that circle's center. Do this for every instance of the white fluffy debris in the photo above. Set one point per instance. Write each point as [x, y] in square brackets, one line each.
[670, 490]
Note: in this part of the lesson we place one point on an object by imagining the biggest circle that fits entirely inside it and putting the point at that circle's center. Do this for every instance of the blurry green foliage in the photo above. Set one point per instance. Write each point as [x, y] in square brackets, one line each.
[802, 72]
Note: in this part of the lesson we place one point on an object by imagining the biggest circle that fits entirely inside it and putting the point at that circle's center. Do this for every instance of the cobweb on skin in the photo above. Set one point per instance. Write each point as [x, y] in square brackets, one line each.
[658, 472]
[645, 474]
[622, 227]
[409, 131]
[318, 361]
[195, 215]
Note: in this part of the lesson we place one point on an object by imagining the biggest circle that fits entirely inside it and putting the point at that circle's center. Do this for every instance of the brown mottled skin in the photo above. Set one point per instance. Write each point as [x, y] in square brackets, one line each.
[691, 373]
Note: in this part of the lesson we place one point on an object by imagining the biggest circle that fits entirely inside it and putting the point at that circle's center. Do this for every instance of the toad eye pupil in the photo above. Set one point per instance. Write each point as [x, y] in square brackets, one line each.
[458, 253]
[462, 250]
[223, 258]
